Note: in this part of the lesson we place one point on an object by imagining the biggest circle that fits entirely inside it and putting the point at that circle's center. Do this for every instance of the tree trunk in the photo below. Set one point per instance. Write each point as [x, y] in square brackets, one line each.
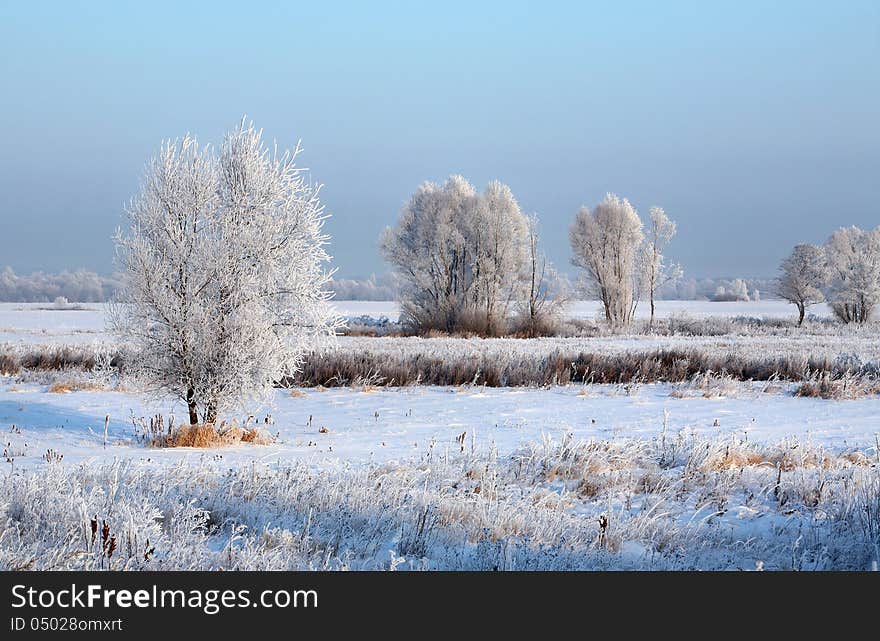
[801, 309]
[651, 322]
[191, 406]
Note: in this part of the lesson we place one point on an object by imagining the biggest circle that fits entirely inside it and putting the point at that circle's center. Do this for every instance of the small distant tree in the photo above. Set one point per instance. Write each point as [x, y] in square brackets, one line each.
[605, 243]
[740, 290]
[804, 274]
[545, 293]
[853, 259]
[735, 291]
[657, 272]
[223, 268]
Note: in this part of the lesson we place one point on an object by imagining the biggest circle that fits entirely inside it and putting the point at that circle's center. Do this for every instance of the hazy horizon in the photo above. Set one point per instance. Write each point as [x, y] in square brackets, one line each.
[754, 126]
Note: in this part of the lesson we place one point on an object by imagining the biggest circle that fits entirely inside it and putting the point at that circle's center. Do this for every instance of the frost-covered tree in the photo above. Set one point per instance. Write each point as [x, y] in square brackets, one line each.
[657, 271]
[545, 292]
[224, 272]
[460, 256]
[740, 290]
[803, 276]
[853, 259]
[500, 233]
[606, 243]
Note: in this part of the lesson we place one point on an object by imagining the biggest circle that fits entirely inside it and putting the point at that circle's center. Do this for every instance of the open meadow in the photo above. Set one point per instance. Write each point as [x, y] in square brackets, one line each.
[727, 439]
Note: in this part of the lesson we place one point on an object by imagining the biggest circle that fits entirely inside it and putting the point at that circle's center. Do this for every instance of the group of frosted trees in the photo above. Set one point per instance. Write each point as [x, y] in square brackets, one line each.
[622, 261]
[845, 271]
[225, 281]
[469, 261]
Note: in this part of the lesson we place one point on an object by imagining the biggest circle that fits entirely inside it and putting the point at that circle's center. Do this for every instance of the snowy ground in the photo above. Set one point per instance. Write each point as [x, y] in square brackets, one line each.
[393, 424]
[744, 475]
[439, 478]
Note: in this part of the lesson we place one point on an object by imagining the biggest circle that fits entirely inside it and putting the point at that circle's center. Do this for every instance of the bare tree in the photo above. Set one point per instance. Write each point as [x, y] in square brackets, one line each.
[605, 244]
[460, 256]
[657, 272]
[853, 258]
[545, 294]
[223, 267]
[804, 273]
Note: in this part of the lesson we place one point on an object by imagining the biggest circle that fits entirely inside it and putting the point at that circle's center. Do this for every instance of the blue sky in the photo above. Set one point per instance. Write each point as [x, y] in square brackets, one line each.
[755, 124]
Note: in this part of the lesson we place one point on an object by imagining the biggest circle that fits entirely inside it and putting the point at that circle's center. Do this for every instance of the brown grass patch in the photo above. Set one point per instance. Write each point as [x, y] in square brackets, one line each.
[734, 458]
[257, 436]
[206, 435]
[66, 387]
[202, 435]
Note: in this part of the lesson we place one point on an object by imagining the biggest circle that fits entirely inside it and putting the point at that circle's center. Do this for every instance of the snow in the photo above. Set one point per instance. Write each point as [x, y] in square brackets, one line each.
[393, 424]
[40, 323]
[455, 477]
[703, 309]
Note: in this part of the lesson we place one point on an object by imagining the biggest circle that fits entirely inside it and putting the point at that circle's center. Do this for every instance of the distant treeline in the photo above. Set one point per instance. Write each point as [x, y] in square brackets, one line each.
[80, 286]
[83, 286]
[717, 289]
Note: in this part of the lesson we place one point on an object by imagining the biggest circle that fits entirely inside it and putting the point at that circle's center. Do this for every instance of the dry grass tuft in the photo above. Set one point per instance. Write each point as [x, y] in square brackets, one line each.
[733, 457]
[203, 435]
[845, 386]
[706, 385]
[257, 436]
[66, 387]
[206, 435]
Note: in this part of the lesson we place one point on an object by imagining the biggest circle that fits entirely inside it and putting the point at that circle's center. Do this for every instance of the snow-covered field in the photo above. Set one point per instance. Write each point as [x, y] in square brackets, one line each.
[603, 477]
[394, 424]
[41, 323]
[739, 475]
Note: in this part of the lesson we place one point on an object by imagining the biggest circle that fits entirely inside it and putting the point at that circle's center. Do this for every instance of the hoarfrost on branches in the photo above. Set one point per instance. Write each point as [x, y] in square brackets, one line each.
[803, 276]
[224, 272]
[461, 256]
[657, 271]
[605, 243]
[853, 257]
